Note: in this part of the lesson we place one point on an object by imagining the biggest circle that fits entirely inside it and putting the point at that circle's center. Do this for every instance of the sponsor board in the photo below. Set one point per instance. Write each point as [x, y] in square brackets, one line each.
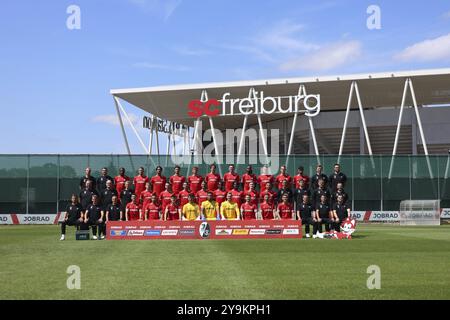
[291, 231]
[240, 232]
[6, 219]
[445, 213]
[169, 232]
[224, 232]
[187, 232]
[273, 231]
[118, 233]
[135, 233]
[150, 233]
[257, 231]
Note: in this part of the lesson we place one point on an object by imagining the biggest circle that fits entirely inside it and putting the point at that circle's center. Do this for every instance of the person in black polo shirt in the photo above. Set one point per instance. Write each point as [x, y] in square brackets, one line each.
[101, 181]
[87, 177]
[125, 198]
[286, 189]
[323, 216]
[300, 192]
[86, 195]
[318, 176]
[107, 194]
[341, 211]
[339, 192]
[319, 192]
[94, 218]
[74, 216]
[337, 177]
[113, 211]
[305, 213]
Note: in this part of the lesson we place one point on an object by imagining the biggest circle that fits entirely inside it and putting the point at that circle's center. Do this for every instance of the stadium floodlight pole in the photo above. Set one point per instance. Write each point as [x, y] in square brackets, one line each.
[419, 122]
[263, 137]
[251, 95]
[301, 90]
[399, 124]
[217, 152]
[344, 129]
[121, 125]
[132, 127]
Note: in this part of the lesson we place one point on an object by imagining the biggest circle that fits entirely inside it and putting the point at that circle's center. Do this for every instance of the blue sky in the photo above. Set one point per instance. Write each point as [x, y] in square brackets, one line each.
[55, 82]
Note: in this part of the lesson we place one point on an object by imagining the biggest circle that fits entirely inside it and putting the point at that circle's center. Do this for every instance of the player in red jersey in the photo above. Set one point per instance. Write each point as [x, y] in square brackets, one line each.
[139, 182]
[285, 209]
[177, 181]
[220, 194]
[183, 195]
[230, 178]
[299, 177]
[119, 181]
[202, 195]
[248, 177]
[268, 191]
[152, 210]
[172, 211]
[248, 209]
[195, 181]
[158, 181]
[165, 197]
[283, 176]
[254, 196]
[237, 195]
[146, 195]
[212, 178]
[264, 179]
[132, 211]
[266, 209]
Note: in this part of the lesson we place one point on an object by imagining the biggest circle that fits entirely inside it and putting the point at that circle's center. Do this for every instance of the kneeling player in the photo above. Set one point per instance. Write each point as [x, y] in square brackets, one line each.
[94, 218]
[248, 209]
[172, 211]
[74, 216]
[341, 211]
[209, 208]
[229, 210]
[323, 216]
[305, 213]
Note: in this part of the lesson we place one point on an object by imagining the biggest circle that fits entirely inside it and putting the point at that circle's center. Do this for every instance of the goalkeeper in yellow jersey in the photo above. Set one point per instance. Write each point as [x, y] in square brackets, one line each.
[191, 210]
[229, 210]
[209, 209]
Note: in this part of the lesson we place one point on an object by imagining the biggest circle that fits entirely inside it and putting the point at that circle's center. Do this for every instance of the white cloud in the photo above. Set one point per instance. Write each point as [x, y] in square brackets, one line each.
[326, 58]
[427, 50]
[164, 8]
[113, 120]
[187, 51]
[148, 65]
[446, 15]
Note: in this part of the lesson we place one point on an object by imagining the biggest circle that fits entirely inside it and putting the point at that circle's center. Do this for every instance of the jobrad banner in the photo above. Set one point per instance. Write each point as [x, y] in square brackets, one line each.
[211, 229]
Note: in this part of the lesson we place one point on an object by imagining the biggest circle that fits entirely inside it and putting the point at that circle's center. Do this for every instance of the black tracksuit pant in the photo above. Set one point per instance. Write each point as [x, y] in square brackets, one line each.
[307, 222]
[76, 223]
[318, 225]
[97, 225]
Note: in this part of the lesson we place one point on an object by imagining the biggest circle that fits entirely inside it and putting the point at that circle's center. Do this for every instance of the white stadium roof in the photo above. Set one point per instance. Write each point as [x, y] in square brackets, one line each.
[378, 90]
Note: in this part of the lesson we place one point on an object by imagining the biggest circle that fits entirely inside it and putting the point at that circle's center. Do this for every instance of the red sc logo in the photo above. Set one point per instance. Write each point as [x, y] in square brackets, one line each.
[199, 108]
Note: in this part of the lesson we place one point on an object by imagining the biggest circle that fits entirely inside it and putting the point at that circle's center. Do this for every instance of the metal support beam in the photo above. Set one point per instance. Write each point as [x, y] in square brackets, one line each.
[124, 134]
[216, 147]
[363, 119]
[347, 112]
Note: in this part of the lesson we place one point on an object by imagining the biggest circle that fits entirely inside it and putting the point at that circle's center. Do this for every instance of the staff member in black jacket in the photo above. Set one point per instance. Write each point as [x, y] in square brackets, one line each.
[300, 192]
[86, 195]
[73, 217]
[305, 213]
[323, 216]
[125, 198]
[107, 194]
[319, 192]
[87, 177]
[337, 177]
[285, 190]
[101, 181]
[341, 211]
[94, 218]
[317, 177]
[113, 211]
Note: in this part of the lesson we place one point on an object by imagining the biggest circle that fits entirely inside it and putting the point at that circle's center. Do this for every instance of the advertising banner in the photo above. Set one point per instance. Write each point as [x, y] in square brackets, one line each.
[222, 229]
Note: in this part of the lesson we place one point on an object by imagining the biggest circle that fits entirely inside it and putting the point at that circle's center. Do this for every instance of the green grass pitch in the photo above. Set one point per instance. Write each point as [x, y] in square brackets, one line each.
[414, 262]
